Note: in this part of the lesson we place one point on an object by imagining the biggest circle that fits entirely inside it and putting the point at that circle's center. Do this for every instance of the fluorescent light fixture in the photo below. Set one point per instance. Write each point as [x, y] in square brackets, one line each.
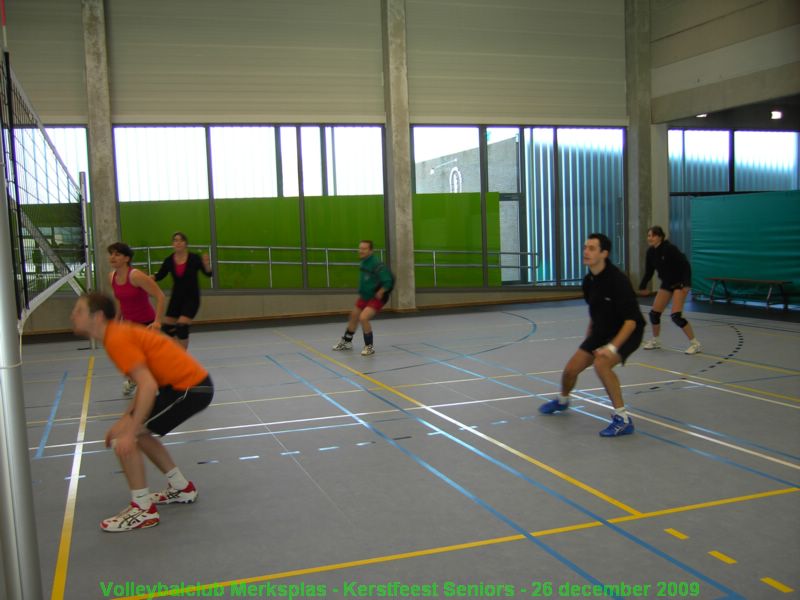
[776, 114]
[703, 116]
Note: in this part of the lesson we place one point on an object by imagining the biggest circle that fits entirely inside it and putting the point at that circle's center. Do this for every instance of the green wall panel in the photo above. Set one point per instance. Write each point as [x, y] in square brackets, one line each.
[753, 236]
[273, 222]
[453, 222]
[153, 223]
[341, 222]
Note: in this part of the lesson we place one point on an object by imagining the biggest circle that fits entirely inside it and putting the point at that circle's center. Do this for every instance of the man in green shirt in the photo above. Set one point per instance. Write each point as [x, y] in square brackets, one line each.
[374, 285]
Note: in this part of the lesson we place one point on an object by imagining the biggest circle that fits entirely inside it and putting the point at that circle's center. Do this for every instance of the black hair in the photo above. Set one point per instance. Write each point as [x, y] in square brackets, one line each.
[657, 231]
[121, 248]
[605, 243]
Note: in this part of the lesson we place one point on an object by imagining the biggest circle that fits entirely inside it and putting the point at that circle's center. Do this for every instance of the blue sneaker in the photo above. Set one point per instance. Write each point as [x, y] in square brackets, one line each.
[554, 406]
[618, 426]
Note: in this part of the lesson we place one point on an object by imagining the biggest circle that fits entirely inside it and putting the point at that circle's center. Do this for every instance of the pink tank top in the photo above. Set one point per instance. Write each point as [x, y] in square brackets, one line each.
[134, 301]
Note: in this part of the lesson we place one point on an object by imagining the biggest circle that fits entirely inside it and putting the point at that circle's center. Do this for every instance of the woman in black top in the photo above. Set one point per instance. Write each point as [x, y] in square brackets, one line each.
[675, 273]
[184, 301]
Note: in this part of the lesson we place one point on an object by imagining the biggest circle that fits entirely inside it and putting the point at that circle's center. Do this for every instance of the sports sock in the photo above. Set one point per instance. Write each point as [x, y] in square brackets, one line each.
[623, 412]
[348, 335]
[142, 498]
[562, 399]
[176, 479]
[368, 339]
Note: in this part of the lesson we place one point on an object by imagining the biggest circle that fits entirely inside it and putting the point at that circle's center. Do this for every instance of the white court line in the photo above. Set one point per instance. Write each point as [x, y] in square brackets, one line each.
[344, 416]
[701, 436]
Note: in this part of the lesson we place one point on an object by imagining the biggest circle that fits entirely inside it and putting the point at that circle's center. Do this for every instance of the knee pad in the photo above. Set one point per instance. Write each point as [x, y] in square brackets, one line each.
[655, 317]
[678, 319]
[182, 331]
[168, 329]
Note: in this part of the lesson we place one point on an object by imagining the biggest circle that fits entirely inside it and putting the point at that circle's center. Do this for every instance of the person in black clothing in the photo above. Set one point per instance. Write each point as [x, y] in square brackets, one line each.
[184, 301]
[675, 273]
[616, 327]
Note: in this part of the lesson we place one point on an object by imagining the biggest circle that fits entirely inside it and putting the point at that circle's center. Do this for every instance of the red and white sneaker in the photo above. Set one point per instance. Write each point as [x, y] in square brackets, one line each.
[130, 518]
[172, 496]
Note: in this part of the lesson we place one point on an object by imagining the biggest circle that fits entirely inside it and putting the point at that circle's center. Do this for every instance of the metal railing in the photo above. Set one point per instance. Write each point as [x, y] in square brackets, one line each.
[265, 255]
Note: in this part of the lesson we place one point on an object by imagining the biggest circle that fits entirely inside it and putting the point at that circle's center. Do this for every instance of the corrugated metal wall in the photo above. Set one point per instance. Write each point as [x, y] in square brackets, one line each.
[516, 61]
[201, 61]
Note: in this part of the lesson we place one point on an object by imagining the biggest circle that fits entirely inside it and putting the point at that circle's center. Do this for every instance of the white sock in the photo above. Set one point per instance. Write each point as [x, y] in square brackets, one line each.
[694, 340]
[622, 412]
[176, 479]
[142, 498]
[562, 399]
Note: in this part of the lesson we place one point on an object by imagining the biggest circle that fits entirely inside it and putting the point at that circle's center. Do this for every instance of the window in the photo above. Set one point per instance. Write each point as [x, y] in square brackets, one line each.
[243, 162]
[161, 163]
[766, 160]
[354, 160]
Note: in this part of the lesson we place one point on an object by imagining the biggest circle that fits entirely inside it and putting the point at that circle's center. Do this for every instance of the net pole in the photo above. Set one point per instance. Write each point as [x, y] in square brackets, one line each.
[18, 544]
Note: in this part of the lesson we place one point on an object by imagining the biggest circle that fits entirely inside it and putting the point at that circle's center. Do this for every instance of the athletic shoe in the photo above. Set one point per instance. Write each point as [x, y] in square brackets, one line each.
[170, 495]
[554, 406]
[343, 344]
[694, 348]
[130, 518]
[617, 427]
[129, 387]
[652, 344]
[368, 350]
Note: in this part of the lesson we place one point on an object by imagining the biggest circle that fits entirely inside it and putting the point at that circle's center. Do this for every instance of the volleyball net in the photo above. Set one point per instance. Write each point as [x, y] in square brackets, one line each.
[46, 206]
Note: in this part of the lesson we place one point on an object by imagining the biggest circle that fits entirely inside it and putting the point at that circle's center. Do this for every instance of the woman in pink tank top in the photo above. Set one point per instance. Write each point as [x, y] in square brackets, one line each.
[133, 289]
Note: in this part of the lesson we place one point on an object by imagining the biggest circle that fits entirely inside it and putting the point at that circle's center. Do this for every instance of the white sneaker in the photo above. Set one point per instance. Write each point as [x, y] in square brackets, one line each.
[368, 350]
[694, 348]
[130, 518]
[129, 387]
[652, 344]
[343, 344]
[170, 495]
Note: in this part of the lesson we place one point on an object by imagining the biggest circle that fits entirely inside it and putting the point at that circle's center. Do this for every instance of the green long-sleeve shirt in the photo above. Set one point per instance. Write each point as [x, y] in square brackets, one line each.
[374, 275]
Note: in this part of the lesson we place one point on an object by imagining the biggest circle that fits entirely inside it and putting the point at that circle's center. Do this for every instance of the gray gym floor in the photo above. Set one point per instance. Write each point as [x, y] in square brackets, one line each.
[428, 463]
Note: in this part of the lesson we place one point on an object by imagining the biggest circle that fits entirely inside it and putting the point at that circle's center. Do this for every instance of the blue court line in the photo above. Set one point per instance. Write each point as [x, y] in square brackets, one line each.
[465, 492]
[504, 466]
[643, 411]
[49, 426]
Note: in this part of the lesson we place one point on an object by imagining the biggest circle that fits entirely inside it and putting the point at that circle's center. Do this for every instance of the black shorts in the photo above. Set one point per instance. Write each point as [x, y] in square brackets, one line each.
[182, 305]
[675, 285]
[173, 407]
[593, 342]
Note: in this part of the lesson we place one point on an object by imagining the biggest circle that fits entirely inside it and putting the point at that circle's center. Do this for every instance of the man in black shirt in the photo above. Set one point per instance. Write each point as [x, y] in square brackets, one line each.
[615, 330]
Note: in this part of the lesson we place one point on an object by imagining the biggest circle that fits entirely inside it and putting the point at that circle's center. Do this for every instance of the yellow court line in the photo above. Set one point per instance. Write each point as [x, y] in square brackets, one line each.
[733, 385]
[585, 487]
[723, 557]
[677, 534]
[459, 547]
[60, 577]
[777, 585]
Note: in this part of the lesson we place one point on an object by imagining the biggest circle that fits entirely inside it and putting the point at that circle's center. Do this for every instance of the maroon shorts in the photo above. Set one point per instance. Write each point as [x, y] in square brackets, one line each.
[375, 303]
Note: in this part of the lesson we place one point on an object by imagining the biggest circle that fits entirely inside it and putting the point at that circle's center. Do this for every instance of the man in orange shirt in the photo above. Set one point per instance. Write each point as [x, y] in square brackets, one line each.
[171, 387]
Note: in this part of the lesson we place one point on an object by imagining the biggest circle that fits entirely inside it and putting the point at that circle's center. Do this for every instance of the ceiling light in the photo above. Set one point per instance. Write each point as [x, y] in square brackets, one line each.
[703, 116]
[776, 114]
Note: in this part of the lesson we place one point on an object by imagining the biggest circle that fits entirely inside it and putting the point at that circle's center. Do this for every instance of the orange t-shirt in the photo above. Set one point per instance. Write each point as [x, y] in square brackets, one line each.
[129, 345]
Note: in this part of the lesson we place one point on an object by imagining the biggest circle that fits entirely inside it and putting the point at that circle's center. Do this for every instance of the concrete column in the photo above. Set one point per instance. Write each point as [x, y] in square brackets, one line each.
[659, 169]
[105, 216]
[637, 76]
[398, 153]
